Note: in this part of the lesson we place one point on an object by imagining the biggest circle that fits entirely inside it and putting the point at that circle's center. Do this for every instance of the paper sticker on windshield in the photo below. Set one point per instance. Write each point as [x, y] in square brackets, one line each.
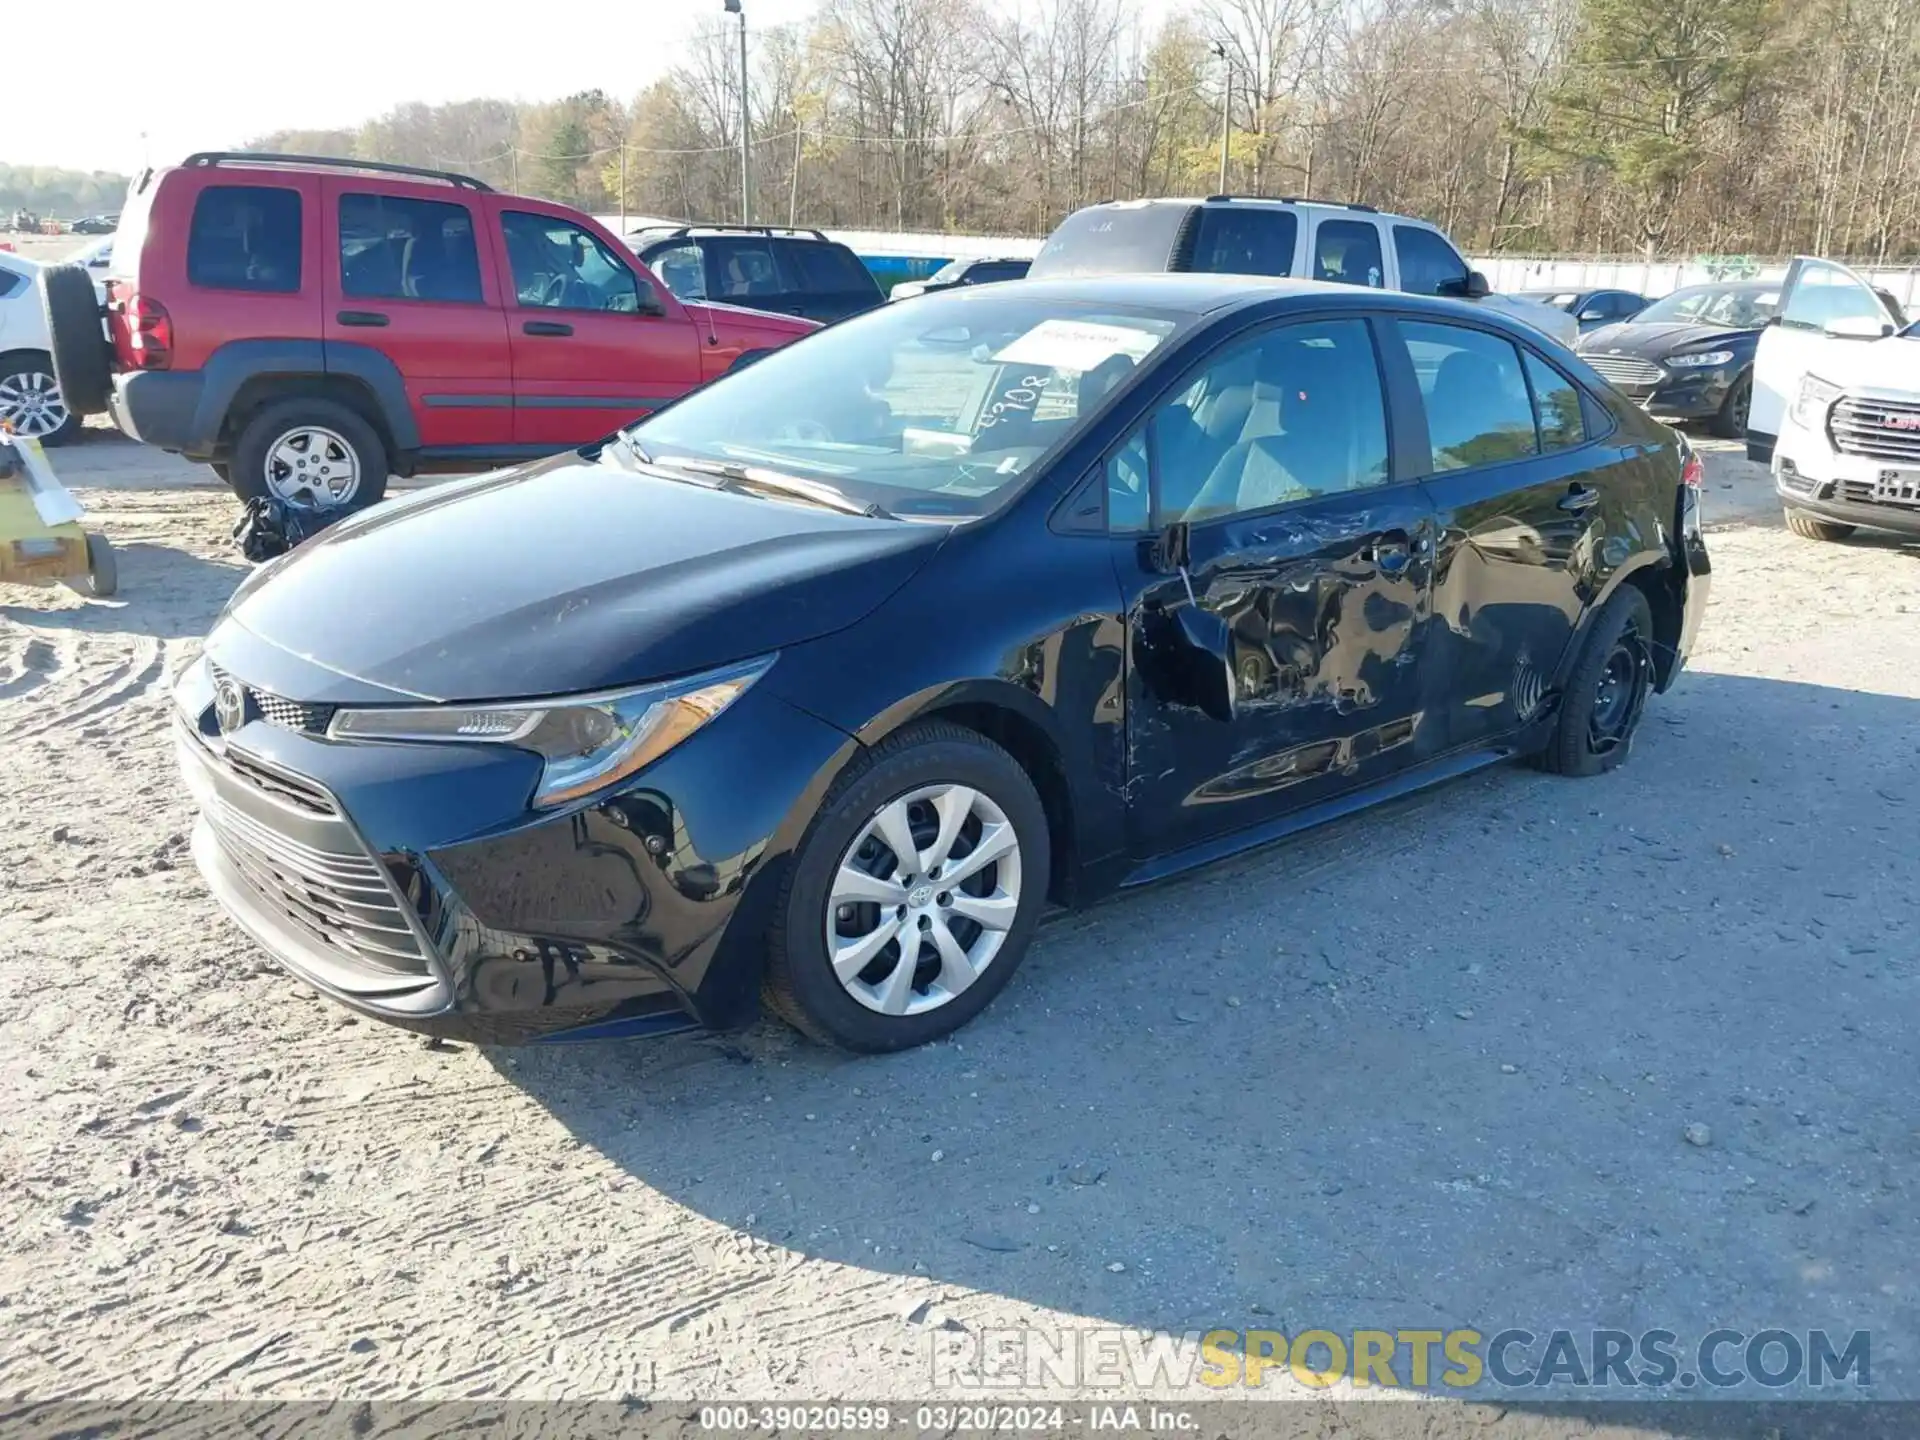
[1076, 344]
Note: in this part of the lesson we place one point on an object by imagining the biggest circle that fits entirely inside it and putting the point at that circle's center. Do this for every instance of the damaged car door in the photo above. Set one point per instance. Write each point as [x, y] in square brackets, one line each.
[1277, 570]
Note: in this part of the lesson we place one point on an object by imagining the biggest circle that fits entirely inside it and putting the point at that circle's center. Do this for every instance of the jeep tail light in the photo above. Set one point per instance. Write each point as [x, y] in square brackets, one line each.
[143, 334]
[1693, 474]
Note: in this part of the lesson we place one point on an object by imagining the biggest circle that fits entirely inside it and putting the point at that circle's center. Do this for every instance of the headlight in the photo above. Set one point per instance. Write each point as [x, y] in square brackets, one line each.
[587, 741]
[1810, 405]
[1700, 359]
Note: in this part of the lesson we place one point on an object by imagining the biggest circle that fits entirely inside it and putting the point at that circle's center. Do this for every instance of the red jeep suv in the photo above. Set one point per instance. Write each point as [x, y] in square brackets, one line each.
[308, 326]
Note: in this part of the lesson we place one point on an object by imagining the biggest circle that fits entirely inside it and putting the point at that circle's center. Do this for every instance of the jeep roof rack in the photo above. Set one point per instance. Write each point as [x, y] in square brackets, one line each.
[332, 162]
[675, 231]
[1301, 200]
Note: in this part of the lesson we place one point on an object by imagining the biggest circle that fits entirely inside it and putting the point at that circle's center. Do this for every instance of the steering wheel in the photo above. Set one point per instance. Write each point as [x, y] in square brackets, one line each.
[806, 430]
[554, 291]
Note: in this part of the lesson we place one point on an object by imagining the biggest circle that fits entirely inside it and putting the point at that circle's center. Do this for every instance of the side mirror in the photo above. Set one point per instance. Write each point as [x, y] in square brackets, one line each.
[1592, 313]
[1473, 286]
[1856, 327]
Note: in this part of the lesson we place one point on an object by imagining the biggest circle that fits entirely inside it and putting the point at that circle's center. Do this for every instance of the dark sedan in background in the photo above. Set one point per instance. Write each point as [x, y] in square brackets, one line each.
[821, 683]
[1689, 356]
[1591, 308]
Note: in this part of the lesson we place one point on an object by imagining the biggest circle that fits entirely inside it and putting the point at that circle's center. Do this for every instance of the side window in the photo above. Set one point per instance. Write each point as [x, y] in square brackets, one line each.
[1426, 260]
[1556, 406]
[245, 237]
[1478, 409]
[1292, 415]
[397, 248]
[683, 270]
[1824, 293]
[742, 269]
[1347, 252]
[1245, 240]
[1128, 498]
[824, 269]
[559, 266]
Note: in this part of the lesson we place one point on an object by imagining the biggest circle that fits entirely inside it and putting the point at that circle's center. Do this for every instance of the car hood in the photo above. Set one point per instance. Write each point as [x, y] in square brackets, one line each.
[1651, 342]
[567, 576]
[1888, 369]
[739, 320]
[1549, 319]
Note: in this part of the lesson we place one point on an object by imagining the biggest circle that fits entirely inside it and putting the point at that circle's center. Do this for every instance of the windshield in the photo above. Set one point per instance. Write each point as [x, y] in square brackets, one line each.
[925, 410]
[1741, 307]
[952, 270]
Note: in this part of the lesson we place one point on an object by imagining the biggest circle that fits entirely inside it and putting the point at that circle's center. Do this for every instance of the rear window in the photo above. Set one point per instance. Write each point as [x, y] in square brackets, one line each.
[396, 248]
[1236, 240]
[123, 256]
[245, 237]
[1112, 240]
[826, 269]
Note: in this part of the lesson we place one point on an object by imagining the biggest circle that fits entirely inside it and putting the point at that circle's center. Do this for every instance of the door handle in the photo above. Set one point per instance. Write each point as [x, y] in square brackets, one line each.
[371, 318]
[1391, 551]
[546, 327]
[1578, 498]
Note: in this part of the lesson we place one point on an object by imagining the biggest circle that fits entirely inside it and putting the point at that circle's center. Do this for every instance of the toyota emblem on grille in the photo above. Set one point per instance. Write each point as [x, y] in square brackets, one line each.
[229, 704]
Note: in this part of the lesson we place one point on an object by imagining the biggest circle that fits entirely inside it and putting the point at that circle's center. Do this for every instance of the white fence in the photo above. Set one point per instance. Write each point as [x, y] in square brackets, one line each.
[1660, 277]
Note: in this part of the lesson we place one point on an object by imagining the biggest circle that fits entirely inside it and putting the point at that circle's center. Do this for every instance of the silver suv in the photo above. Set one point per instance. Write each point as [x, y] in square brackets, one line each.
[1252, 235]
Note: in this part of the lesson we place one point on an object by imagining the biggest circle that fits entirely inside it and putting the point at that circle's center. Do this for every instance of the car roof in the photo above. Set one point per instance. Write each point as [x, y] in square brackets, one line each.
[1196, 294]
[1269, 202]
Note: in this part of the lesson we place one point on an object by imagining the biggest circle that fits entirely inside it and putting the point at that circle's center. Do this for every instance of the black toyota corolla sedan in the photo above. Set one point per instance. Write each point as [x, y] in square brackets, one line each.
[819, 685]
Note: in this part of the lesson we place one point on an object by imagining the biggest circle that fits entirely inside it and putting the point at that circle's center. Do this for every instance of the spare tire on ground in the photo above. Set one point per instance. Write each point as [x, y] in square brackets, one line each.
[81, 362]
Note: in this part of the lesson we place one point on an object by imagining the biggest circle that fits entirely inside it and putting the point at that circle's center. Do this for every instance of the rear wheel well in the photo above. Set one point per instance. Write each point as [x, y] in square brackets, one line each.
[1656, 583]
[25, 352]
[264, 390]
[1034, 749]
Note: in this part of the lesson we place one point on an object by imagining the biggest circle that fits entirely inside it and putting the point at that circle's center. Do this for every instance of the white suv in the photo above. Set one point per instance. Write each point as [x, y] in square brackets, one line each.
[1306, 239]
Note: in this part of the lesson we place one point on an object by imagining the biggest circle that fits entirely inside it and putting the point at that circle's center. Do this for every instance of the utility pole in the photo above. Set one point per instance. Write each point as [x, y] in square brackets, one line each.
[793, 191]
[1226, 110]
[623, 187]
[734, 7]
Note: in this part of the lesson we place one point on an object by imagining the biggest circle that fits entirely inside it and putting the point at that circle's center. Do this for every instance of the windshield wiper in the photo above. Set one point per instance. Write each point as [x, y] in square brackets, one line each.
[751, 479]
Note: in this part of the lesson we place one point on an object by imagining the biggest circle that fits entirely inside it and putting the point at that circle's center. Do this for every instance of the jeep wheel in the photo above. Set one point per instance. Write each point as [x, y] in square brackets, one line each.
[31, 402]
[312, 454]
[77, 338]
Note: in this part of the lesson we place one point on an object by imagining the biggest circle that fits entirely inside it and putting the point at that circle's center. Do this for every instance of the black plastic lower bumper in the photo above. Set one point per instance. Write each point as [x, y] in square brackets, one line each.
[161, 408]
[644, 912]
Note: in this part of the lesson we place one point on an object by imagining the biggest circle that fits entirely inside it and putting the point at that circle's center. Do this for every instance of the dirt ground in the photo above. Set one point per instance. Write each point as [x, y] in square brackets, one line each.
[1430, 1067]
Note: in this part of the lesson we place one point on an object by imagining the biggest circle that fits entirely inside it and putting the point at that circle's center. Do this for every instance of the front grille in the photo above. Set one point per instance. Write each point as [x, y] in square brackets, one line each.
[341, 902]
[1627, 370]
[1876, 429]
[291, 789]
[278, 710]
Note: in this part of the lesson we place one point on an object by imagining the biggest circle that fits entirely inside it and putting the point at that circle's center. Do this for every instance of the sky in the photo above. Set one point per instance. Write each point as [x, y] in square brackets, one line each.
[209, 74]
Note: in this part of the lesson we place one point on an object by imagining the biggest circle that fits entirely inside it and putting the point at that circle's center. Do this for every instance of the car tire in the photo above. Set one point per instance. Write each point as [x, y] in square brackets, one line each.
[1730, 423]
[81, 361]
[1601, 706]
[28, 383]
[927, 766]
[331, 433]
[1812, 527]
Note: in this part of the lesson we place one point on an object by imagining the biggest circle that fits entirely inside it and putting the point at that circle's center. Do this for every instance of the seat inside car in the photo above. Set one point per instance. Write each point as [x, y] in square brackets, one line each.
[1302, 437]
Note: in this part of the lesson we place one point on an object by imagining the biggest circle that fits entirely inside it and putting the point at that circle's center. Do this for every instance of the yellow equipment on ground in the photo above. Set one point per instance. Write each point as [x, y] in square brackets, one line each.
[41, 541]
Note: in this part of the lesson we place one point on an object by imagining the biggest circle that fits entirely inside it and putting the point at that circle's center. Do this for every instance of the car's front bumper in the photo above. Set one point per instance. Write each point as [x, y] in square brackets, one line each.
[1685, 395]
[413, 884]
[1809, 475]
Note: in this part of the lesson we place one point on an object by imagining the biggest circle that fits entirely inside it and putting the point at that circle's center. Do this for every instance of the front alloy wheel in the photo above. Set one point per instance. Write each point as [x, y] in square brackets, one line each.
[910, 900]
[923, 899]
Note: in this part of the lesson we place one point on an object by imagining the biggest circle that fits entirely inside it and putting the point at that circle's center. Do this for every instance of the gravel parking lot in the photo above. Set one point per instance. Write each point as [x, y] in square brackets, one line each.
[1432, 1067]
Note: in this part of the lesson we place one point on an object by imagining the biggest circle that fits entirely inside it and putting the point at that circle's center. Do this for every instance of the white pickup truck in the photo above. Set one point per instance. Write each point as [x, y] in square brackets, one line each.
[1836, 405]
